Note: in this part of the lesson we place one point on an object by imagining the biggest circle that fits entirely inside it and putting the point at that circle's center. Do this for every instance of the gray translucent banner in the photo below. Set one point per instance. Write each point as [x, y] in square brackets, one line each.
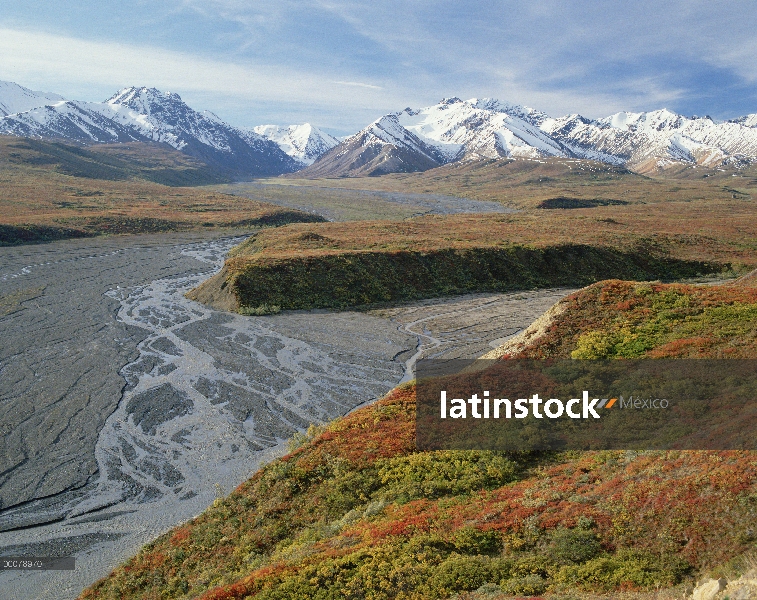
[37, 563]
[524, 405]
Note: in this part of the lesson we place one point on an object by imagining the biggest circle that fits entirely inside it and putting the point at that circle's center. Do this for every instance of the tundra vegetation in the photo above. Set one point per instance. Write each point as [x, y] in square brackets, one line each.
[51, 190]
[355, 511]
[527, 183]
[337, 265]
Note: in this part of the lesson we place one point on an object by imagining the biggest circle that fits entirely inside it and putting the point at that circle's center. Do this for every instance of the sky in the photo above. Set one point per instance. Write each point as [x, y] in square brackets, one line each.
[341, 64]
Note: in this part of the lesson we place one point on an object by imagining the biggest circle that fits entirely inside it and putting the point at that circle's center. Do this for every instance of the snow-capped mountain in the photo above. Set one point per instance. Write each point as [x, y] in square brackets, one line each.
[149, 115]
[385, 146]
[304, 143]
[486, 128]
[404, 141]
[456, 130]
[656, 138]
[15, 98]
[747, 121]
[416, 140]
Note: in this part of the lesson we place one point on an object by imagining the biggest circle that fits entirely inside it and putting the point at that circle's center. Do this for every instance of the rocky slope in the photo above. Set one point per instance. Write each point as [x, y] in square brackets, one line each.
[385, 146]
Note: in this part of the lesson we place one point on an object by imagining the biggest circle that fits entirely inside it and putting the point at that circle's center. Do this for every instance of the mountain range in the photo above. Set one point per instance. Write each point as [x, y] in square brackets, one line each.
[149, 115]
[406, 141]
[455, 130]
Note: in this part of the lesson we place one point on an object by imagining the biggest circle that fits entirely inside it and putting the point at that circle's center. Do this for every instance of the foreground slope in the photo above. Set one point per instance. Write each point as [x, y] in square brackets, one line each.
[358, 512]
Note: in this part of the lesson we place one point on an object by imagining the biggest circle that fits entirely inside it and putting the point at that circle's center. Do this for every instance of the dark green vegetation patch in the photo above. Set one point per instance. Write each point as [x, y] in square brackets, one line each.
[355, 278]
[13, 235]
[564, 202]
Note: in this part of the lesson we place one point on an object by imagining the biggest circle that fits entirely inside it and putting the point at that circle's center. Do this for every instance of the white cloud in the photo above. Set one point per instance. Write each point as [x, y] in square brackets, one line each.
[358, 84]
[34, 56]
[349, 61]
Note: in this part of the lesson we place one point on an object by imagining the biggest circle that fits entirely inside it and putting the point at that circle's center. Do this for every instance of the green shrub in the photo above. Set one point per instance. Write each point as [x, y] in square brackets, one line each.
[469, 540]
[467, 573]
[349, 490]
[638, 568]
[572, 546]
[529, 585]
[444, 473]
[532, 564]
[259, 311]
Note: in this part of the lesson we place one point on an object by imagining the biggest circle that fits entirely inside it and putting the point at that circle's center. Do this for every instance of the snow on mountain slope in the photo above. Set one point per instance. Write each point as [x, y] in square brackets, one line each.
[661, 135]
[304, 143]
[389, 130]
[486, 128]
[385, 146]
[416, 140]
[746, 121]
[15, 98]
[147, 114]
[405, 141]
[455, 129]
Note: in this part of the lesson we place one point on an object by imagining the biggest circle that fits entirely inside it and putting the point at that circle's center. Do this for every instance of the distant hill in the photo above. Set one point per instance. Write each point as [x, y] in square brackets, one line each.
[150, 161]
[55, 190]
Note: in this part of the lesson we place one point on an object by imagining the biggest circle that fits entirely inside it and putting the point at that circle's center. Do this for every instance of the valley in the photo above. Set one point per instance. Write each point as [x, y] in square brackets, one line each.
[527, 182]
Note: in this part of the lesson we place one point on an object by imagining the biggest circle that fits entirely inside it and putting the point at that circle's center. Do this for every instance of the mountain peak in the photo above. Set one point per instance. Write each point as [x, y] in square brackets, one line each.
[304, 142]
[146, 100]
[746, 121]
[655, 120]
[16, 98]
[145, 114]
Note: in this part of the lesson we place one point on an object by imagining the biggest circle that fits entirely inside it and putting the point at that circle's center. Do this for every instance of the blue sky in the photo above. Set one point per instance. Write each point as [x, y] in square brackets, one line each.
[341, 64]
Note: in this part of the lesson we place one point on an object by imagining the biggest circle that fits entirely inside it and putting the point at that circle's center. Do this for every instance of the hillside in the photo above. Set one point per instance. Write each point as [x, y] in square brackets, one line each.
[334, 265]
[357, 512]
[52, 190]
[526, 183]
